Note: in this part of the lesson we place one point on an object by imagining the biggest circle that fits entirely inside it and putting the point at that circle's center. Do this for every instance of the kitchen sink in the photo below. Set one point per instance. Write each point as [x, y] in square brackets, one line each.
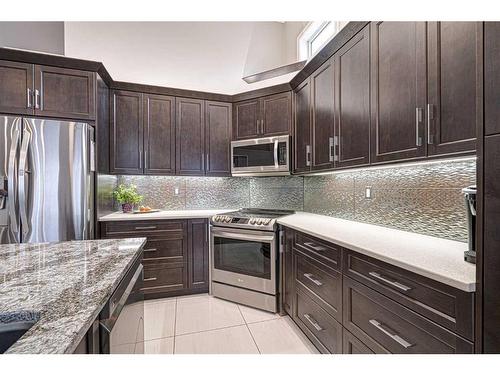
[13, 325]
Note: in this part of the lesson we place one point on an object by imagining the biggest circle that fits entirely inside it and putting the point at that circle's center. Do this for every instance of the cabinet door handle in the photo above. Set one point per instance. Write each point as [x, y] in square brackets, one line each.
[149, 227]
[258, 126]
[208, 163]
[150, 250]
[401, 341]
[312, 246]
[262, 126]
[150, 279]
[308, 155]
[332, 149]
[396, 284]
[28, 97]
[202, 161]
[310, 277]
[37, 99]
[430, 117]
[418, 120]
[313, 322]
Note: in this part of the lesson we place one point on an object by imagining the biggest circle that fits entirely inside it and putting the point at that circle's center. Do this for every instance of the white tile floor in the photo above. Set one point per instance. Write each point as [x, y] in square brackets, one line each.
[203, 324]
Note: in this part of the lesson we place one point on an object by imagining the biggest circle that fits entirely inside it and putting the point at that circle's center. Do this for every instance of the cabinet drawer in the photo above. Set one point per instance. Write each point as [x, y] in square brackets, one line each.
[388, 327]
[319, 326]
[352, 345]
[321, 250]
[146, 228]
[447, 306]
[164, 250]
[164, 277]
[322, 281]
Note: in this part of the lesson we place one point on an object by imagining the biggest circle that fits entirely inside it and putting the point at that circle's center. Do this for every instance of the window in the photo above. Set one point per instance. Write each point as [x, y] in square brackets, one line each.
[314, 37]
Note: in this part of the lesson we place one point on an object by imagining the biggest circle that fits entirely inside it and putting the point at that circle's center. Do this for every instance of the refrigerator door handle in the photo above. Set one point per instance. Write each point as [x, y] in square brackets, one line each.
[11, 184]
[23, 157]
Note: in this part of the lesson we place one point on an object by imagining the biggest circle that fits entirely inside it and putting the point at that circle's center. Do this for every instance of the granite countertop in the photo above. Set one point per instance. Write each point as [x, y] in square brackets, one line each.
[67, 283]
[180, 214]
[436, 258]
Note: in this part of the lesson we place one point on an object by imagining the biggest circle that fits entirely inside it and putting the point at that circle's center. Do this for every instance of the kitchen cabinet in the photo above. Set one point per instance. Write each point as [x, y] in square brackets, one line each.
[352, 104]
[288, 273]
[451, 108]
[190, 136]
[323, 116]
[127, 137]
[262, 117]
[175, 254]
[40, 90]
[302, 128]
[491, 78]
[218, 138]
[159, 134]
[351, 303]
[398, 90]
[16, 90]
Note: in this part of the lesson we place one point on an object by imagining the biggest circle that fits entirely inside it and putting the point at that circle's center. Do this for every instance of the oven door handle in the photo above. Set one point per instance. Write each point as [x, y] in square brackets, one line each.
[242, 236]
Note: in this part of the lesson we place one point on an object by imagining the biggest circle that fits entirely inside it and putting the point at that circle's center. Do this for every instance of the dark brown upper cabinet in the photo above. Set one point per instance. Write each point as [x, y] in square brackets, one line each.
[302, 127]
[16, 88]
[263, 117]
[159, 134]
[246, 120]
[66, 93]
[126, 132]
[452, 86]
[190, 136]
[352, 85]
[323, 116]
[398, 90]
[491, 78]
[217, 138]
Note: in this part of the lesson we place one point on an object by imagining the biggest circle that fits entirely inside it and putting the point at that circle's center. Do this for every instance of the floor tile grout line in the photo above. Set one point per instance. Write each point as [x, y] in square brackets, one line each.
[210, 330]
[253, 339]
[175, 325]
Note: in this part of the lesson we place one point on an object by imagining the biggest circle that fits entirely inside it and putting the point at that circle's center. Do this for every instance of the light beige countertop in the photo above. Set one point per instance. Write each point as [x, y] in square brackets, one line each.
[180, 214]
[436, 258]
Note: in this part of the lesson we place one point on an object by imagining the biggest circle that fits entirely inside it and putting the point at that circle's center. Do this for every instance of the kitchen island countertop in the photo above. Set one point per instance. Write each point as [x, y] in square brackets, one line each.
[67, 283]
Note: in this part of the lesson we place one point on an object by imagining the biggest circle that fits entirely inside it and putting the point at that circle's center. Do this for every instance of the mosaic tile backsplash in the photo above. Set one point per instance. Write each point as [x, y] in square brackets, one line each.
[423, 198]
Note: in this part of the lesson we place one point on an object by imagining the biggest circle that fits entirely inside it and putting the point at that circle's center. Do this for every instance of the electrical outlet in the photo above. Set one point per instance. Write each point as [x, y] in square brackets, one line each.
[176, 191]
[368, 192]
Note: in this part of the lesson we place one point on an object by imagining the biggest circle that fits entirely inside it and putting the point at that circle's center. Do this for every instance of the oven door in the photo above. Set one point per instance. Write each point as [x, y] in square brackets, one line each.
[261, 156]
[244, 258]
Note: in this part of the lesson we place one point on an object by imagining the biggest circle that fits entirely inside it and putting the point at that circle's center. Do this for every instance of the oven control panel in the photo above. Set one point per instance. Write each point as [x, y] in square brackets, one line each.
[225, 219]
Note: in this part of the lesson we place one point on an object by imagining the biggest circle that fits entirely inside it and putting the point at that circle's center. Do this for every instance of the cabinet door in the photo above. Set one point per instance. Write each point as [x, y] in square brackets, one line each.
[159, 134]
[288, 272]
[398, 76]
[352, 84]
[246, 121]
[491, 78]
[302, 127]
[323, 116]
[276, 114]
[452, 87]
[16, 88]
[217, 138]
[126, 132]
[198, 254]
[65, 93]
[190, 136]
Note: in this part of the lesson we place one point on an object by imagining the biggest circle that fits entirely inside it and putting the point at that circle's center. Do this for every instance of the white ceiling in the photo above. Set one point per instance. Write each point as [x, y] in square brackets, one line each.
[204, 56]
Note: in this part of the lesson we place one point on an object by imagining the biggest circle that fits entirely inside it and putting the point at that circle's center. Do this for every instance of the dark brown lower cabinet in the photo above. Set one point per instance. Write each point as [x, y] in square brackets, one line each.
[346, 302]
[175, 255]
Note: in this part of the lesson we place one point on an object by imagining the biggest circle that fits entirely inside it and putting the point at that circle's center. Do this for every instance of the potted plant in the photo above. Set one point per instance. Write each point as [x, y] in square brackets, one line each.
[127, 196]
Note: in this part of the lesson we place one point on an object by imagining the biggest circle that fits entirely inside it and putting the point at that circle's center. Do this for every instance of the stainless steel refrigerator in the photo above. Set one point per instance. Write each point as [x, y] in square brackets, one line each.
[46, 180]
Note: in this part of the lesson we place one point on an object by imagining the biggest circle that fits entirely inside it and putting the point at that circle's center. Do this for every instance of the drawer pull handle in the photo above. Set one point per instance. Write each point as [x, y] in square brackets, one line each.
[401, 341]
[150, 279]
[396, 284]
[317, 248]
[313, 322]
[150, 227]
[149, 250]
[310, 277]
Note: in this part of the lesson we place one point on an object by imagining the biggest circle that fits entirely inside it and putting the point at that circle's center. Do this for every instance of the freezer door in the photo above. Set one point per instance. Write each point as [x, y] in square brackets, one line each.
[55, 181]
[10, 139]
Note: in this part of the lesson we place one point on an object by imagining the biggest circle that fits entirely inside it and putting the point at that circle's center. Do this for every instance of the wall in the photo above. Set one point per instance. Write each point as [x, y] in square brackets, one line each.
[205, 56]
[35, 36]
[424, 198]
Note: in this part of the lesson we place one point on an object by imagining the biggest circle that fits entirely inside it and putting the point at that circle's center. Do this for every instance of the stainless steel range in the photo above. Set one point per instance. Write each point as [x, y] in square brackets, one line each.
[245, 257]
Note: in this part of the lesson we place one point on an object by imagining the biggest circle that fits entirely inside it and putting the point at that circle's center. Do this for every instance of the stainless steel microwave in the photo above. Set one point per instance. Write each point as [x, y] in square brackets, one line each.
[268, 156]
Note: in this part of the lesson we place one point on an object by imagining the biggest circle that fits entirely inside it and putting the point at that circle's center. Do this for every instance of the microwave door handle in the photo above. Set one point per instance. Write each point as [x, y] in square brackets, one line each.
[12, 184]
[23, 157]
[276, 157]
